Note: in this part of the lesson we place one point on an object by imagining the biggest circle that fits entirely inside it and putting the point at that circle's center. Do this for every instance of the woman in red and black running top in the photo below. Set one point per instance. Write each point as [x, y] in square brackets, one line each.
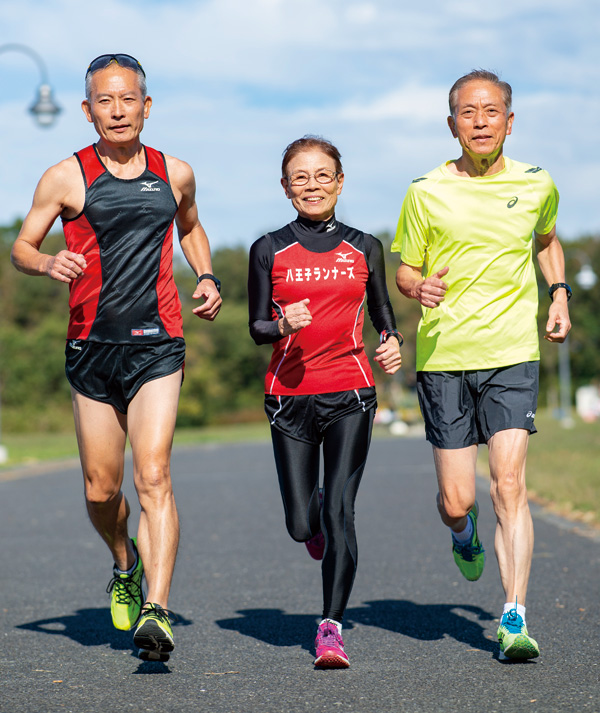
[306, 285]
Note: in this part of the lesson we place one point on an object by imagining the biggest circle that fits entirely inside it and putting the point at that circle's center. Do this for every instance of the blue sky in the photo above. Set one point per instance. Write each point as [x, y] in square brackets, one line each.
[234, 81]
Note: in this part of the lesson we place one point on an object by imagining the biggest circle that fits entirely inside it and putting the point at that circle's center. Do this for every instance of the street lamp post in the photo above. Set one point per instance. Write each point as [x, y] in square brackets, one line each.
[44, 108]
[45, 111]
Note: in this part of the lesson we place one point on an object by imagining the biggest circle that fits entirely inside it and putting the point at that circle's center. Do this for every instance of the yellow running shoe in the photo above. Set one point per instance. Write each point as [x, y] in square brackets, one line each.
[154, 635]
[127, 594]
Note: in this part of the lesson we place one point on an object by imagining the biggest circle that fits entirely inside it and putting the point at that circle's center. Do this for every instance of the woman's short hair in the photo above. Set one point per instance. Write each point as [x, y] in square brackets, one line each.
[310, 142]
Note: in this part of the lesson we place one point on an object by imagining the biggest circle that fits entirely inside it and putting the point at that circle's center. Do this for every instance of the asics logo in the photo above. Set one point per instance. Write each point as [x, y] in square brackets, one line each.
[530, 414]
[512, 202]
[74, 345]
[343, 257]
[148, 186]
[534, 170]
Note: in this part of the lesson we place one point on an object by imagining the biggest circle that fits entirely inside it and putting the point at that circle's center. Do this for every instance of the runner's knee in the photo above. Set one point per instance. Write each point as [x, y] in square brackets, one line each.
[509, 489]
[153, 480]
[455, 506]
[100, 490]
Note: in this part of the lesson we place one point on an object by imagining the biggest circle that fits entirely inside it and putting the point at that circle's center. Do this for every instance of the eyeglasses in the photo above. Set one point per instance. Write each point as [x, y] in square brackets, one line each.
[323, 176]
[124, 60]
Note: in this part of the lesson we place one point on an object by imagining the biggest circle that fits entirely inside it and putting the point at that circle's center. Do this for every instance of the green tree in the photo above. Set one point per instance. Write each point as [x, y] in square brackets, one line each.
[225, 370]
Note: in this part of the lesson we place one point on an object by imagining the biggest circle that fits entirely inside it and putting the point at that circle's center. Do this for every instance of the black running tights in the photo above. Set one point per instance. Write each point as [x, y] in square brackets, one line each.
[345, 447]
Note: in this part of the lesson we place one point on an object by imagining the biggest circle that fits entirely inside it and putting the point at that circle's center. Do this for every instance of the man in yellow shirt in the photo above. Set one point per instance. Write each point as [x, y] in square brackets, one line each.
[466, 236]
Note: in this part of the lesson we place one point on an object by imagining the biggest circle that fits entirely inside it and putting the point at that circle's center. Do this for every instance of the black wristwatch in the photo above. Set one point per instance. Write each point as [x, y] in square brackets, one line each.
[557, 285]
[387, 333]
[208, 276]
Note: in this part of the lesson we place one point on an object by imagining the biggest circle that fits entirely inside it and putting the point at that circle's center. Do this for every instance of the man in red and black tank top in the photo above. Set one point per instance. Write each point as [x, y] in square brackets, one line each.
[118, 200]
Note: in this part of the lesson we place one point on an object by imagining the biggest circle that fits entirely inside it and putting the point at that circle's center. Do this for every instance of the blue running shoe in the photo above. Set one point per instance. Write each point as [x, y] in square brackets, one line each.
[470, 556]
[515, 642]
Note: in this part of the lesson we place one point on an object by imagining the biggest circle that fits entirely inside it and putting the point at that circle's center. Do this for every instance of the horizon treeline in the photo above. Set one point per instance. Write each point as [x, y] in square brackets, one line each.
[224, 369]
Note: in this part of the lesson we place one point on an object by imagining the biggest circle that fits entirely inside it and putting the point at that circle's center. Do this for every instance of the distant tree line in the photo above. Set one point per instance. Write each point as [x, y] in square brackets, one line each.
[224, 370]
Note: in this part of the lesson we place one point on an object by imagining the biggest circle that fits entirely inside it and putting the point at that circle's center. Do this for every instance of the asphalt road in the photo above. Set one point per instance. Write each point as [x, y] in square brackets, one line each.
[419, 637]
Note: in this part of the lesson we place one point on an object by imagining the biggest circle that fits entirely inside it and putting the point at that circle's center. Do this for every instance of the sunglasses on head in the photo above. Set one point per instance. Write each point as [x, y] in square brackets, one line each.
[123, 60]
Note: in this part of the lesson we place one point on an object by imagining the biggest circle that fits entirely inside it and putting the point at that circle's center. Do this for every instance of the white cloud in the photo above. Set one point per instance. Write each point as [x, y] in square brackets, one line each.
[235, 81]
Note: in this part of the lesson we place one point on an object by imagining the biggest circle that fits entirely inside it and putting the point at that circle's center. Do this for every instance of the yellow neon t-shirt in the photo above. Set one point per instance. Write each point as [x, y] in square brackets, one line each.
[481, 228]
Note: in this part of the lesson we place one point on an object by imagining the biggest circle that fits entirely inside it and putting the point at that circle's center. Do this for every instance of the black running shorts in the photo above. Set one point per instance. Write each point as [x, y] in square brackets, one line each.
[305, 417]
[114, 373]
[464, 408]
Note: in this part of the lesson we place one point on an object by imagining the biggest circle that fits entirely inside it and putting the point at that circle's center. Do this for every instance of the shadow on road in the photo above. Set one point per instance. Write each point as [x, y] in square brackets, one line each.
[426, 622]
[90, 627]
[274, 626]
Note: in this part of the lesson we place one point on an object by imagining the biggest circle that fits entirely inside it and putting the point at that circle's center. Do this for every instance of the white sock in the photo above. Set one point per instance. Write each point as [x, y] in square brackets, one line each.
[466, 534]
[513, 605]
[337, 624]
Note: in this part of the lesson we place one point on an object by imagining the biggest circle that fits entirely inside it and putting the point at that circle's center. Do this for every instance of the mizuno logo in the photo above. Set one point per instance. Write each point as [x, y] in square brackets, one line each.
[343, 257]
[512, 202]
[534, 170]
[148, 186]
[145, 332]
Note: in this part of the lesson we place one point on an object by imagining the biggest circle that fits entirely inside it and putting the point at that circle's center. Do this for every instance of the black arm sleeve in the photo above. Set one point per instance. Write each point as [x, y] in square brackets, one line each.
[378, 300]
[260, 293]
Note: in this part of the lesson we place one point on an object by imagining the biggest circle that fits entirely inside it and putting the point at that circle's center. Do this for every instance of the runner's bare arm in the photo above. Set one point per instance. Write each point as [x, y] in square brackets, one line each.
[429, 292]
[59, 192]
[552, 264]
[192, 237]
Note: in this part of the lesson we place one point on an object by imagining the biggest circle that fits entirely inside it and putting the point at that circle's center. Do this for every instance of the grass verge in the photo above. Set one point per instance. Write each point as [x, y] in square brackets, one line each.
[562, 468]
[29, 449]
[562, 464]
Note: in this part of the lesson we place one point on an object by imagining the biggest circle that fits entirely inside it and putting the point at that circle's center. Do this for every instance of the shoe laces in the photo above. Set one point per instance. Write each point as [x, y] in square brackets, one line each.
[155, 611]
[328, 635]
[127, 590]
[513, 621]
[468, 550]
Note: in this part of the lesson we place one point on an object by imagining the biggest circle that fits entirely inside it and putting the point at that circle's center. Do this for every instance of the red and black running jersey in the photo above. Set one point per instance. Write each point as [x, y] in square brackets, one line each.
[125, 232]
[334, 267]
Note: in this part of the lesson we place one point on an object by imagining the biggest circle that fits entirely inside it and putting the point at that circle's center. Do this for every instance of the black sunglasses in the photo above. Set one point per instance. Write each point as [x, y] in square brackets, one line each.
[124, 60]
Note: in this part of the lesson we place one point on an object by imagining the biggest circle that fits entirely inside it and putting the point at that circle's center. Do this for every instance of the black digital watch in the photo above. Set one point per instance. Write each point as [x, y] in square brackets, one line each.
[556, 286]
[208, 276]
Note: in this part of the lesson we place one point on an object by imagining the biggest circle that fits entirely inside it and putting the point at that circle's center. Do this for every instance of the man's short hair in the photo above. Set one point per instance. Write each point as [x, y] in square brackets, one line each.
[140, 75]
[480, 75]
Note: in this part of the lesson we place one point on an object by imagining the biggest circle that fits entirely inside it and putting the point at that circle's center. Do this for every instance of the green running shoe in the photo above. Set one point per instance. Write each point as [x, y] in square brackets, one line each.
[515, 642]
[470, 556]
[154, 636]
[127, 595]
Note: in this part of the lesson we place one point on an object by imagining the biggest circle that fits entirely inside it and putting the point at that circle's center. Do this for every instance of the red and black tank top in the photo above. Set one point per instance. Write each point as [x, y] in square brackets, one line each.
[125, 232]
[334, 270]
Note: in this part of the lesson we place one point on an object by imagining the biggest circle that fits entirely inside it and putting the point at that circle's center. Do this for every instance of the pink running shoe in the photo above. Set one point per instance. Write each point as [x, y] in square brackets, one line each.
[316, 544]
[330, 647]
